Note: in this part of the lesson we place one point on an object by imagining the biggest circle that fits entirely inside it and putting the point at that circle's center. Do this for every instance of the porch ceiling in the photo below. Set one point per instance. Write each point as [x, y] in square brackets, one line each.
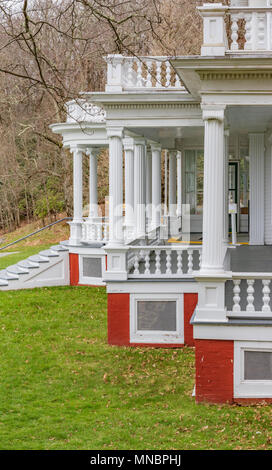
[167, 136]
[246, 119]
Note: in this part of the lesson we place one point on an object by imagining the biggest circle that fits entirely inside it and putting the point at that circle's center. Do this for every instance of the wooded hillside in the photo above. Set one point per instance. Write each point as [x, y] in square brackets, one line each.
[50, 50]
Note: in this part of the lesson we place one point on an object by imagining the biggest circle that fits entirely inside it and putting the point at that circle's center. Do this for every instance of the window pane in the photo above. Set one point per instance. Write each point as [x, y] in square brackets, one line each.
[258, 365]
[92, 267]
[156, 315]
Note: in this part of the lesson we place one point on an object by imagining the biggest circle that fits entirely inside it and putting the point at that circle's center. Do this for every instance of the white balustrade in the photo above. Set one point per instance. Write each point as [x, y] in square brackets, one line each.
[95, 231]
[146, 72]
[254, 293]
[163, 261]
[251, 28]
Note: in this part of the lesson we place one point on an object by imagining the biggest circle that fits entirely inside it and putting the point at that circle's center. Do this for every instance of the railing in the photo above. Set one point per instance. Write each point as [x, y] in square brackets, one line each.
[163, 261]
[134, 73]
[251, 295]
[95, 231]
[251, 28]
[82, 111]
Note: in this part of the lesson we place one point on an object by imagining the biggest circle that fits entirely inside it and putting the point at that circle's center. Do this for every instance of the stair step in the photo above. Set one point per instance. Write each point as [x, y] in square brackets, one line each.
[59, 248]
[28, 264]
[49, 253]
[4, 275]
[15, 269]
[38, 259]
[3, 283]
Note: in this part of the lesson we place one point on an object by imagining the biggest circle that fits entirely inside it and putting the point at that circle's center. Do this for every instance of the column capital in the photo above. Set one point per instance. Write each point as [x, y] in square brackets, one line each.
[213, 113]
[139, 140]
[115, 132]
[76, 148]
[155, 147]
[92, 151]
[179, 154]
[128, 143]
[172, 152]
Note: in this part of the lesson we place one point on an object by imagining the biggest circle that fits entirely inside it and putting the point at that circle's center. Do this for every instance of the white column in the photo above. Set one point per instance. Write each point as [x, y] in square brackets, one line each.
[268, 192]
[93, 201]
[116, 237]
[156, 185]
[179, 184]
[148, 184]
[128, 144]
[256, 175]
[213, 250]
[139, 186]
[226, 186]
[165, 181]
[172, 183]
[76, 224]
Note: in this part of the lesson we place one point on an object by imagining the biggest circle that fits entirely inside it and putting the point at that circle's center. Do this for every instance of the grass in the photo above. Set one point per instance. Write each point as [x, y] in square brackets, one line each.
[63, 387]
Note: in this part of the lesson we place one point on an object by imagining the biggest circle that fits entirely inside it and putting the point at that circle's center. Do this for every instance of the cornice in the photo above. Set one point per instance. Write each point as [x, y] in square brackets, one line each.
[152, 106]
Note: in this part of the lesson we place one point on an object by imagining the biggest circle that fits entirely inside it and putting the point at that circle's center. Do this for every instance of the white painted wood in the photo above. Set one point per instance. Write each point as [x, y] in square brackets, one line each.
[225, 187]
[256, 167]
[128, 144]
[179, 184]
[268, 192]
[93, 200]
[172, 183]
[76, 224]
[213, 209]
[148, 185]
[116, 236]
[156, 185]
[139, 186]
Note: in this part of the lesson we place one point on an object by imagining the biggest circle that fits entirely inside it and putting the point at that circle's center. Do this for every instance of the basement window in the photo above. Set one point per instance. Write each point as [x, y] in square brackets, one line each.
[91, 269]
[156, 318]
[253, 369]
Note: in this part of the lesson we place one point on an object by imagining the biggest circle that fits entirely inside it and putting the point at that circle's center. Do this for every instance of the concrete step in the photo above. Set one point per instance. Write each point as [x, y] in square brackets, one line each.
[39, 259]
[49, 253]
[59, 248]
[28, 264]
[3, 283]
[4, 275]
[15, 269]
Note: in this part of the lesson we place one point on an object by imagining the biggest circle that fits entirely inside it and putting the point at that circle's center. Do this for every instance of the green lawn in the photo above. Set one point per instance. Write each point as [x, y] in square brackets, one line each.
[63, 387]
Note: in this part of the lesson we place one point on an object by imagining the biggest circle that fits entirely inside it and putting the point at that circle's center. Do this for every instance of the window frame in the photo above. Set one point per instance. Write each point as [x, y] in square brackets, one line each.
[91, 280]
[157, 336]
[250, 388]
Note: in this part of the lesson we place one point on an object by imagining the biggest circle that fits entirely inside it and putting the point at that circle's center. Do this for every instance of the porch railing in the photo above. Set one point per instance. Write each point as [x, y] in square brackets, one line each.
[163, 261]
[134, 73]
[95, 231]
[251, 295]
[251, 28]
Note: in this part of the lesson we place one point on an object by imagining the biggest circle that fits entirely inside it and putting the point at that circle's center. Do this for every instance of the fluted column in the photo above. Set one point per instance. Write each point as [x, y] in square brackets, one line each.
[226, 186]
[156, 185]
[116, 236]
[172, 182]
[213, 250]
[148, 184]
[268, 191]
[179, 184]
[128, 144]
[76, 224]
[256, 175]
[139, 186]
[93, 200]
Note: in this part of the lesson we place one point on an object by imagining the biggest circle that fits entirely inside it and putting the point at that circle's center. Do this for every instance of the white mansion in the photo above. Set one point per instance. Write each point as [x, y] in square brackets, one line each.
[194, 136]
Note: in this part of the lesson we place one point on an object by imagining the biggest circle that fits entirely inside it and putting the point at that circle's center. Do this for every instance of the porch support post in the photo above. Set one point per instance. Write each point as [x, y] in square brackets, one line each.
[76, 224]
[93, 200]
[179, 184]
[149, 184]
[256, 175]
[213, 208]
[226, 186]
[172, 183]
[139, 186]
[268, 191]
[156, 185]
[116, 237]
[128, 144]
[165, 181]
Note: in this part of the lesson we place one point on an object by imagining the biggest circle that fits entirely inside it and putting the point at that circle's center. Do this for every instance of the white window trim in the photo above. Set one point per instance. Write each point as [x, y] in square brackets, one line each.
[250, 388]
[157, 337]
[91, 280]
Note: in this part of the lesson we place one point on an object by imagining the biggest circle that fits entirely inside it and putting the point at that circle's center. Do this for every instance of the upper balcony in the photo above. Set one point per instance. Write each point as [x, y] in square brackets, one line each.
[245, 26]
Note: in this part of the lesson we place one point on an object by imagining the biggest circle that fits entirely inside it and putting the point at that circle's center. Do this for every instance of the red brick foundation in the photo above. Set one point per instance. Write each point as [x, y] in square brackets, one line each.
[118, 322]
[253, 401]
[214, 371]
[74, 269]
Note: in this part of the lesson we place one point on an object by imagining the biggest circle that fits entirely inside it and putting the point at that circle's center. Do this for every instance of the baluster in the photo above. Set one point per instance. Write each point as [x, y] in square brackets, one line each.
[266, 296]
[177, 82]
[148, 74]
[200, 257]
[99, 232]
[139, 74]
[147, 262]
[158, 74]
[168, 262]
[234, 32]
[168, 74]
[136, 263]
[260, 32]
[130, 80]
[248, 33]
[190, 261]
[250, 295]
[158, 262]
[236, 295]
[92, 232]
[179, 262]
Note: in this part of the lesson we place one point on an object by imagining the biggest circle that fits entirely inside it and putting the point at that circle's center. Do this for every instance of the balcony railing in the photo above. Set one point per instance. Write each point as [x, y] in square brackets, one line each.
[251, 295]
[138, 73]
[251, 28]
[163, 261]
[95, 231]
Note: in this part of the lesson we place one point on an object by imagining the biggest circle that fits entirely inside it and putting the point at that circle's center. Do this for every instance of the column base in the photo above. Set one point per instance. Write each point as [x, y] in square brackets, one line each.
[116, 263]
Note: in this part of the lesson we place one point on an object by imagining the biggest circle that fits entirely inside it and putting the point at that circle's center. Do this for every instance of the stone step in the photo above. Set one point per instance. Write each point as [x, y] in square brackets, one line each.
[59, 248]
[49, 253]
[3, 283]
[15, 269]
[28, 264]
[4, 275]
[38, 259]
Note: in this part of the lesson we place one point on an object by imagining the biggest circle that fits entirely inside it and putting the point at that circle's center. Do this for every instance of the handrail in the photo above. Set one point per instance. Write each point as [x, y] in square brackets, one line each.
[34, 233]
